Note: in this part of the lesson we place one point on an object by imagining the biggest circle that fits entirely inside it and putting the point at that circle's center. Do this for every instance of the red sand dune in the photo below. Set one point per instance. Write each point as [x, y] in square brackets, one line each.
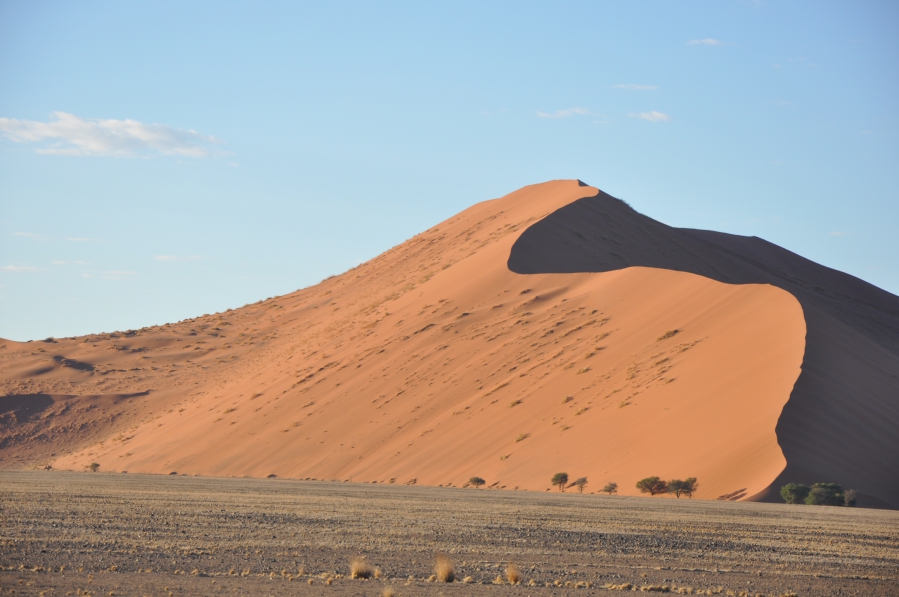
[523, 337]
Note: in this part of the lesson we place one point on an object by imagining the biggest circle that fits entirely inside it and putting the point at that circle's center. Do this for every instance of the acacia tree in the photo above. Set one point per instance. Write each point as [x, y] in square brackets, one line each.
[794, 493]
[611, 488]
[652, 485]
[580, 484]
[560, 479]
[690, 486]
[94, 466]
[675, 486]
[476, 481]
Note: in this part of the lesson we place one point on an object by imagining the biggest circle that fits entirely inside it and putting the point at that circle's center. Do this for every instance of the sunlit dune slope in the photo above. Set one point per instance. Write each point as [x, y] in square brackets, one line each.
[432, 363]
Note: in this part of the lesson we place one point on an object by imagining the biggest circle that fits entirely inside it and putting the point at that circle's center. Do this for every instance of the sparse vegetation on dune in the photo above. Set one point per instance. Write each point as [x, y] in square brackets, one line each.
[476, 482]
[610, 488]
[819, 494]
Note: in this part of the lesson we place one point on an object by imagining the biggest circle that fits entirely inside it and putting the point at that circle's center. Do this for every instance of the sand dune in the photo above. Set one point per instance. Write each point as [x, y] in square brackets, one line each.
[522, 337]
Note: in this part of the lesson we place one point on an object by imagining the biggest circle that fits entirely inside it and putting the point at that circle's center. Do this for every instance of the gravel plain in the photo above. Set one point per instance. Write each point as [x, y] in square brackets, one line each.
[123, 534]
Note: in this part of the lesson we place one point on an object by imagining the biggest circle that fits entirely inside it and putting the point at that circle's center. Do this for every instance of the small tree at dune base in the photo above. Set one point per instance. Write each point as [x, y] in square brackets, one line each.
[794, 493]
[825, 494]
[560, 479]
[850, 496]
[685, 487]
[94, 466]
[476, 481]
[652, 485]
[580, 484]
[610, 488]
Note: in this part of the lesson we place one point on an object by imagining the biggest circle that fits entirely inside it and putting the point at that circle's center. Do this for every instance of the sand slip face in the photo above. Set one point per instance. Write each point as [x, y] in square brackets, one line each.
[434, 362]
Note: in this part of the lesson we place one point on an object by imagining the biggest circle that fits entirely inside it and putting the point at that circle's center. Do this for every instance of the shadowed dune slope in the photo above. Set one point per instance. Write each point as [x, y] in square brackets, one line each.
[467, 350]
[841, 423]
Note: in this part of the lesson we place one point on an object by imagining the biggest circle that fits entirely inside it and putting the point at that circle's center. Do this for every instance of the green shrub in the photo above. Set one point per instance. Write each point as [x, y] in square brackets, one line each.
[794, 493]
[610, 488]
[652, 485]
[825, 494]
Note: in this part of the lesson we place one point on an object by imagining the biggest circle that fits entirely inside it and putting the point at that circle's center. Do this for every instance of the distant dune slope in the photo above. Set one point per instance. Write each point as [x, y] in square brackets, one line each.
[467, 350]
[842, 421]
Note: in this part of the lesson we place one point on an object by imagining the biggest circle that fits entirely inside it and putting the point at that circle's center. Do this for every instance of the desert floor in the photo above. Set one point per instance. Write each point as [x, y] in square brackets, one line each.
[123, 534]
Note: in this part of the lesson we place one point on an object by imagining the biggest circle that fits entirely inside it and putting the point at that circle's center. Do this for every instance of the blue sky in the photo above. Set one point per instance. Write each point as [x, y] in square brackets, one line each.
[163, 160]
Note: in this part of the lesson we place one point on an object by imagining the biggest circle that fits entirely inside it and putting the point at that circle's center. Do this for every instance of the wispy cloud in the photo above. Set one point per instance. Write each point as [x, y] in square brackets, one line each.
[18, 268]
[61, 262]
[81, 239]
[566, 113]
[70, 135]
[31, 235]
[652, 116]
[635, 87]
[111, 275]
[177, 257]
[705, 42]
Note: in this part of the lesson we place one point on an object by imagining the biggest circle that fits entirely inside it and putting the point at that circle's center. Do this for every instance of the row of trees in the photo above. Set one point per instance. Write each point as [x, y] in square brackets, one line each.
[679, 487]
[561, 480]
[819, 494]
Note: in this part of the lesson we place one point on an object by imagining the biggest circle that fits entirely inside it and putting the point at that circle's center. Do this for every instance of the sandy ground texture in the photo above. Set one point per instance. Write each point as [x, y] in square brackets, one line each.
[114, 534]
[429, 364]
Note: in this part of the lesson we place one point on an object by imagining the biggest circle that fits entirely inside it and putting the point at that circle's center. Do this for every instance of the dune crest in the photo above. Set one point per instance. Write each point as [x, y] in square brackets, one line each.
[443, 358]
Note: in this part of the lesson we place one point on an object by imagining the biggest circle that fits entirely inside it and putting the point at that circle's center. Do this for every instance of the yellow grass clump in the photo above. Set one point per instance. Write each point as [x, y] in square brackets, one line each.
[513, 574]
[444, 569]
[360, 568]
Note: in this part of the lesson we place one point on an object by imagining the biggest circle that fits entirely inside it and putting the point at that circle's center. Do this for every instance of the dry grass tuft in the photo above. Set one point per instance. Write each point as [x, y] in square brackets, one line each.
[513, 574]
[444, 569]
[468, 580]
[388, 592]
[668, 334]
[360, 568]
[522, 437]
[622, 587]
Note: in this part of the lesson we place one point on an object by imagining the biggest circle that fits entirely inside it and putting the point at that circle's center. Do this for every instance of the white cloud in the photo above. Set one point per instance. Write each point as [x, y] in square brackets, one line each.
[635, 87]
[652, 116]
[79, 239]
[18, 268]
[566, 113]
[111, 275]
[177, 257]
[31, 235]
[61, 262]
[705, 42]
[71, 135]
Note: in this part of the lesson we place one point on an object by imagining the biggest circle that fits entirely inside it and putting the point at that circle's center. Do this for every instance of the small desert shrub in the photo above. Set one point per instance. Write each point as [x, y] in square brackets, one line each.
[610, 488]
[580, 484]
[794, 493]
[388, 592]
[668, 334]
[521, 437]
[652, 485]
[560, 479]
[477, 481]
[567, 399]
[514, 403]
[94, 467]
[360, 568]
[513, 574]
[444, 569]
